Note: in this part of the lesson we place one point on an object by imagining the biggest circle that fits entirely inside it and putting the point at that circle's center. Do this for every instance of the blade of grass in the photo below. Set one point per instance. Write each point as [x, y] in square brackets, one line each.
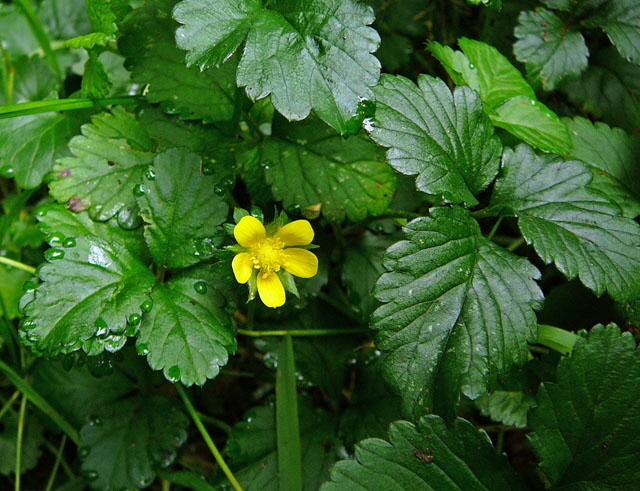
[56, 105]
[557, 339]
[287, 425]
[56, 465]
[23, 411]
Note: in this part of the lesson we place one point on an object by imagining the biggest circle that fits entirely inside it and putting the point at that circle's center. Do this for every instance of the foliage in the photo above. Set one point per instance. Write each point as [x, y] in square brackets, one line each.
[465, 172]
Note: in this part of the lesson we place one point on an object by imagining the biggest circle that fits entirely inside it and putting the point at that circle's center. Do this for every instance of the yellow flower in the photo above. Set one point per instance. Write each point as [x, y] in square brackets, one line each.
[266, 257]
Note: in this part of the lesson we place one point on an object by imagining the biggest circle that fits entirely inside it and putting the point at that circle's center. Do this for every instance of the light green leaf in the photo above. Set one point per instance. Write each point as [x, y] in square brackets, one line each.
[17, 38]
[108, 161]
[612, 156]
[186, 334]
[508, 408]
[95, 80]
[32, 440]
[580, 230]
[33, 80]
[427, 455]
[87, 293]
[127, 440]
[306, 54]
[458, 311]
[445, 138]
[32, 144]
[158, 65]
[183, 213]
[11, 282]
[308, 164]
[103, 21]
[550, 50]
[585, 426]
[64, 19]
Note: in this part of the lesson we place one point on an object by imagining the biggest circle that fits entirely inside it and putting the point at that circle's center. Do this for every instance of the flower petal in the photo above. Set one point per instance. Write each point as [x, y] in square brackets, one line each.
[242, 267]
[295, 233]
[248, 231]
[300, 262]
[271, 290]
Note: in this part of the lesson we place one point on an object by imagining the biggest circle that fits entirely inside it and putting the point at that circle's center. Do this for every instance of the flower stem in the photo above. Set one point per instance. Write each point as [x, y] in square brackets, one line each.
[56, 465]
[21, 417]
[17, 264]
[207, 438]
[303, 332]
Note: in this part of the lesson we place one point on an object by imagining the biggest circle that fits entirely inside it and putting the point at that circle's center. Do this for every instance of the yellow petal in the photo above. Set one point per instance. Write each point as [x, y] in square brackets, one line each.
[295, 233]
[242, 267]
[248, 231]
[300, 262]
[271, 290]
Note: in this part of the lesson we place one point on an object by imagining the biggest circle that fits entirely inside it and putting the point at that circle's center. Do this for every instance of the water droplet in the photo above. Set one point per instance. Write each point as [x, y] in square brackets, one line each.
[41, 211]
[146, 306]
[55, 240]
[129, 217]
[119, 329]
[83, 452]
[102, 328]
[130, 330]
[95, 420]
[28, 285]
[69, 242]
[53, 254]
[472, 66]
[67, 362]
[90, 475]
[142, 349]
[138, 190]
[150, 174]
[134, 319]
[533, 103]
[173, 373]
[7, 172]
[228, 182]
[144, 482]
[219, 190]
[200, 287]
[208, 168]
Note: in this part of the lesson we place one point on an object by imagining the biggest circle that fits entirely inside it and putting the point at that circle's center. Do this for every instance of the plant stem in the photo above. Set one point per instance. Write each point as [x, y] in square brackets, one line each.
[557, 339]
[207, 438]
[23, 410]
[17, 264]
[500, 441]
[41, 36]
[215, 422]
[56, 465]
[58, 455]
[287, 425]
[9, 403]
[303, 332]
[515, 244]
[56, 105]
[494, 229]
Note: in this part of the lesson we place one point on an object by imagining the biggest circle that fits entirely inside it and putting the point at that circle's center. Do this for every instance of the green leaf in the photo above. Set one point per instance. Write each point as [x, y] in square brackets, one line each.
[33, 80]
[32, 440]
[88, 291]
[612, 157]
[186, 334]
[103, 21]
[306, 54]
[550, 50]
[108, 161]
[11, 281]
[449, 323]
[621, 21]
[580, 230]
[427, 455]
[126, 441]
[17, 38]
[95, 80]
[159, 67]
[253, 451]
[585, 427]
[609, 90]
[183, 213]
[508, 408]
[574, 6]
[308, 164]
[445, 138]
[32, 144]
[64, 19]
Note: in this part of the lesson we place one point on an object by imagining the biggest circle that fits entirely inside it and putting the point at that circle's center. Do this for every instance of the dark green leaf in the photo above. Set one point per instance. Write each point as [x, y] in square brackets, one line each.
[32, 439]
[186, 334]
[613, 158]
[158, 65]
[125, 441]
[183, 213]
[11, 281]
[621, 21]
[585, 427]
[87, 292]
[445, 138]
[580, 230]
[574, 6]
[426, 456]
[449, 322]
[550, 50]
[306, 54]
[508, 408]
[308, 164]
[109, 159]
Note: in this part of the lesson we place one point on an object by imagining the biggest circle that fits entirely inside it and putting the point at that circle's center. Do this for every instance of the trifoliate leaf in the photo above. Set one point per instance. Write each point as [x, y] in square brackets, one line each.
[580, 230]
[306, 54]
[458, 311]
[109, 159]
[32, 440]
[253, 449]
[126, 441]
[427, 455]
[95, 80]
[186, 334]
[609, 90]
[621, 21]
[309, 164]
[550, 50]
[32, 144]
[612, 157]
[182, 211]
[508, 408]
[585, 426]
[158, 65]
[88, 292]
[444, 138]
[510, 99]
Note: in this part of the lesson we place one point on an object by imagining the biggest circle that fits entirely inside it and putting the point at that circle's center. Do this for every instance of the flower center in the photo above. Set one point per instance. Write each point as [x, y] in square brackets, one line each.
[267, 256]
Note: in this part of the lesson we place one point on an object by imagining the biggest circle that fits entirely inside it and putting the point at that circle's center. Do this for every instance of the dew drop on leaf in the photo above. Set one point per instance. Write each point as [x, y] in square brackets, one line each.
[95, 421]
[150, 174]
[53, 254]
[142, 349]
[83, 452]
[138, 190]
[69, 242]
[90, 475]
[134, 319]
[219, 190]
[146, 306]
[7, 172]
[208, 167]
[200, 287]
[174, 373]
